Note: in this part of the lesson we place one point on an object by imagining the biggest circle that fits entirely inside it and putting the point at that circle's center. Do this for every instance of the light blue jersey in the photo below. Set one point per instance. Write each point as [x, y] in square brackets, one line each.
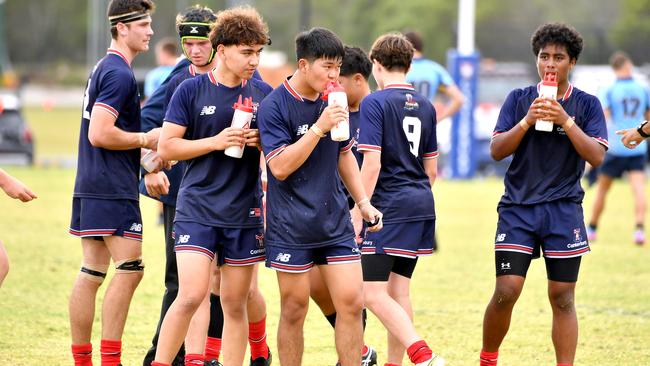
[627, 101]
[427, 76]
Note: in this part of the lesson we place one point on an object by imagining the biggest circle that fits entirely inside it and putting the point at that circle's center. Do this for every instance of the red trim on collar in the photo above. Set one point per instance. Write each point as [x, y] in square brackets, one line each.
[192, 70]
[113, 51]
[211, 77]
[399, 86]
[292, 91]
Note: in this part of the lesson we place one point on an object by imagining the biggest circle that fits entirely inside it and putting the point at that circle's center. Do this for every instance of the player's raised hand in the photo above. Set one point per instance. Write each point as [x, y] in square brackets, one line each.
[157, 184]
[252, 136]
[331, 116]
[15, 188]
[371, 216]
[553, 111]
[230, 136]
[631, 137]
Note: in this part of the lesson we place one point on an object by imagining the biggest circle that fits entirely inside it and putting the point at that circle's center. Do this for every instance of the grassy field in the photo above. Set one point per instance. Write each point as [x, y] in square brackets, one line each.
[449, 290]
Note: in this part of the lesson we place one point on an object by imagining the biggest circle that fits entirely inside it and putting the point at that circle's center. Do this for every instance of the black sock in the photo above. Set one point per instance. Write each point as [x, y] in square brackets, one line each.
[639, 226]
[332, 319]
[364, 317]
[215, 330]
[593, 227]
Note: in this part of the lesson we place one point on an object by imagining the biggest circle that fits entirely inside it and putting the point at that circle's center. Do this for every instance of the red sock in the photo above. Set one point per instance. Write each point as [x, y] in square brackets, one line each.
[194, 359]
[82, 354]
[111, 352]
[391, 364]
[212, 348]
[154, 363]
[364, 350]
[564, 364]
[489, 358]
[257, 339]
[419, 352]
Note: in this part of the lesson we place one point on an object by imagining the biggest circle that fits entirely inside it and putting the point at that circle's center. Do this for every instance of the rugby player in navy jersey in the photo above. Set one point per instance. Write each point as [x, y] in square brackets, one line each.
[105, 210]
[193, 26]
[541, 208]
[355, 72]
[218, 209]
[398, 141]
[308, 221]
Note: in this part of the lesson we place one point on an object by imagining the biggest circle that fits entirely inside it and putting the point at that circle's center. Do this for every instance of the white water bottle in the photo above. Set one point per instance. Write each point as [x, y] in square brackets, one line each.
[548, 90]
[336, 95]
[240, 119]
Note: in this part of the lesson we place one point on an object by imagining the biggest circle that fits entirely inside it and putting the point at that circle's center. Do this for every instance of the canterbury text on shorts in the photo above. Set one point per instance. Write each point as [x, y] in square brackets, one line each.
[233, 246]
[297, 260]
[557, 228]
[94, 218]
[405, 239]
[614, 166]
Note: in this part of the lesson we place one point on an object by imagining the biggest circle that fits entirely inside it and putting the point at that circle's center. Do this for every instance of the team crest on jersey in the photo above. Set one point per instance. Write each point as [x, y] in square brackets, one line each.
[259, 238]
[411, 104]
[254, 212]
[576, 235]
[255, 106]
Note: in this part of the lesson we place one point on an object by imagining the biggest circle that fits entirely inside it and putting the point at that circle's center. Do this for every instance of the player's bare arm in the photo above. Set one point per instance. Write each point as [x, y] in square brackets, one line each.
[631, 137]
[588, 148]
[292, 158]
[103, 133]
[431, 168]
[349, 172]
[173, 146]
[15, 188]
[456, 100]
[504, 144]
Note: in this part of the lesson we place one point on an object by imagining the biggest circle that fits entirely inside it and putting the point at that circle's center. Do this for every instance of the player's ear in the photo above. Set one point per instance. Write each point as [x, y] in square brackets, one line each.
[122, 29]
[221, 49]
[302, 65]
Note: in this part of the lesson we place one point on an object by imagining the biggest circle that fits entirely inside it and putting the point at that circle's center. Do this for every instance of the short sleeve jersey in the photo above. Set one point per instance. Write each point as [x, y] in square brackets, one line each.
[427, 76]
[401, 125]
[545, 166]
[104, 173]
[216, 189]
[628, 101]
[308, 209]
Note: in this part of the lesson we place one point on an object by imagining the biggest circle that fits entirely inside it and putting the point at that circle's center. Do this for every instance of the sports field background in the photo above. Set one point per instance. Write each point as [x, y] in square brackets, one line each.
[449, 290]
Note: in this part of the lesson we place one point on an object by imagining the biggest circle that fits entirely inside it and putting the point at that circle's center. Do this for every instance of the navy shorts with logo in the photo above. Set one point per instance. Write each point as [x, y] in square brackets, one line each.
[557, 228]
[405, 239]
[297, 260]
[615, 166]
[95, 218]
[233, 246]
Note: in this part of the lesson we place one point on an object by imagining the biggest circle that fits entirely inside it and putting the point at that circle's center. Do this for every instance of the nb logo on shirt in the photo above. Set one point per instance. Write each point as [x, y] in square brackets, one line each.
[282, 257]
[302, 130]
[183, 239]
[501, 237]
[207, 110]
[136, 227]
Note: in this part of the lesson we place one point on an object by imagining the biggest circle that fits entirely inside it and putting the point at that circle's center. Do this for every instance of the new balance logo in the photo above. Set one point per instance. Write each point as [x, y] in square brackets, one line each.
[194, 30]
[501, 237]
[505, 266]
[183, 239]
[282, 257]
[302, 130]
[136, 227]
[207, 110]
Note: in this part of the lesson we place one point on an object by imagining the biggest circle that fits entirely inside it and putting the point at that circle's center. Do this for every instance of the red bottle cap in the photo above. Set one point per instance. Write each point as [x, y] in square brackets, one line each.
[550, 78]
[246, 106]
[332, 86]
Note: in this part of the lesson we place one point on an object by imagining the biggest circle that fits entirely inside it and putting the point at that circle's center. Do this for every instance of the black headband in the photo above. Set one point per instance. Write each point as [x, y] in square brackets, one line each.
[194, 30]
[128, 17]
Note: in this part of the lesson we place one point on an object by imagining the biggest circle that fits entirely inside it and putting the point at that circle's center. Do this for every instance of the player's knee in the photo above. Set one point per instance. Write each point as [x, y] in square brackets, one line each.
[351, 304]
[563, 301]
[506, 295]
[133, 267]
[294, 310]
[95, 273]
[234, 306]
[188, 303]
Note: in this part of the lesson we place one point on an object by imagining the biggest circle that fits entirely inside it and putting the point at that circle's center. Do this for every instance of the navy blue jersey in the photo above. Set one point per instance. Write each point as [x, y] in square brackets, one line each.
[401, 124]
[546, 167]
[103, 173]
[216, 189]
[355, 118]
[308, 209]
